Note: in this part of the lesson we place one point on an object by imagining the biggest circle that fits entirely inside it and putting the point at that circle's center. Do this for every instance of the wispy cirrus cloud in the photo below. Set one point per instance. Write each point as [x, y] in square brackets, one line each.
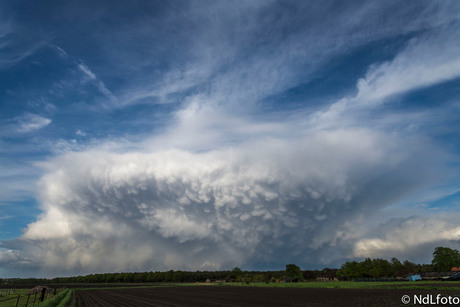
[224, 62]
[15, 47]
[415, 67]
[91, 77]
[29, 122]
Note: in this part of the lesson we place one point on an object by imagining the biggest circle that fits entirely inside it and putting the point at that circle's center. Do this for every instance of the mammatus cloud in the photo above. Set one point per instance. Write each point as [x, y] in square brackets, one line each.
[244, 205]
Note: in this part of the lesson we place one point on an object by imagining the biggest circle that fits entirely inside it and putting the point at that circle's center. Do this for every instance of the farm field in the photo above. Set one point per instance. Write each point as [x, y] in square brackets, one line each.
[247, 296]
[242, 294]
[414, 285]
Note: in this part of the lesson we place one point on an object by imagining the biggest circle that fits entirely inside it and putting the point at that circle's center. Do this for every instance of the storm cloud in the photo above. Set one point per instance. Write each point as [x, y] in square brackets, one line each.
[256, 204]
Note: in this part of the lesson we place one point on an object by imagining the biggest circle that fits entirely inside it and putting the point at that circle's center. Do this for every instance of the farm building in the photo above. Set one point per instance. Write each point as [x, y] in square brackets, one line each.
[455, 269]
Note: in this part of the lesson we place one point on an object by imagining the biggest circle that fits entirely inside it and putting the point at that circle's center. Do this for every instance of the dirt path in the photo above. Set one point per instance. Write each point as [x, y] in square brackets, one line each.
[246, 296]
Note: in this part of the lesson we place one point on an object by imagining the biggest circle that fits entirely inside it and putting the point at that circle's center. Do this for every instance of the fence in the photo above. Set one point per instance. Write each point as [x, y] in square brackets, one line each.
[12, 298]
[5, 292]
[29, 301]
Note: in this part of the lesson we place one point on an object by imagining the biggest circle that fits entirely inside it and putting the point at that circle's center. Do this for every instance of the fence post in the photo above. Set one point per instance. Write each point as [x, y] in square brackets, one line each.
[35, 296]
[28, 295]
[42, 296]
[17, 301]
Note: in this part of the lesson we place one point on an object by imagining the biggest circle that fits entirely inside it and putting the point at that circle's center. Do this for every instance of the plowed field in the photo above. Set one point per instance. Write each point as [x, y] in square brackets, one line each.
[246, 296]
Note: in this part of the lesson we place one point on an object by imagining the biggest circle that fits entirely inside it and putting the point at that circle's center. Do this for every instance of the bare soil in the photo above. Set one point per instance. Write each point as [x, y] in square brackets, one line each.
[247, 296]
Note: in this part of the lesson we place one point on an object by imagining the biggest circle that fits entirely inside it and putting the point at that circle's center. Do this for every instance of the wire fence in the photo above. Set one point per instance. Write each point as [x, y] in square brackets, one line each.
[10, 298]
[32, 298]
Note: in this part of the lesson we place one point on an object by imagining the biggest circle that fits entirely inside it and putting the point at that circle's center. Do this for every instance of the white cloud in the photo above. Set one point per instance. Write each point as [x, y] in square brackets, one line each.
[90, 76]
[411, 238]
[135, 211]
[61, 52]
[202, 125]
[29, 122]
[80, 133]
[236, 57]
[15, 47]
[428, 60]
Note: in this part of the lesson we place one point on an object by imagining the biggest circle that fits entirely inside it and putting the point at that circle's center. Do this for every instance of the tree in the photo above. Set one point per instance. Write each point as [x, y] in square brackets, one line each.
[445, 258]
[294, 272]
[236, 274]
[351, 270]
[382, 268]
[411, 267]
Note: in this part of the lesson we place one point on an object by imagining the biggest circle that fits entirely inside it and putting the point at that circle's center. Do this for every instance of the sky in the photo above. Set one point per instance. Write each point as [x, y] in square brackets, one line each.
[205, 135]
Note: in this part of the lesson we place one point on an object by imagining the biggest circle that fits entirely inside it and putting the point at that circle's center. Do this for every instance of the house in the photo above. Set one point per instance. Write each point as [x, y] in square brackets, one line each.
[455, 269]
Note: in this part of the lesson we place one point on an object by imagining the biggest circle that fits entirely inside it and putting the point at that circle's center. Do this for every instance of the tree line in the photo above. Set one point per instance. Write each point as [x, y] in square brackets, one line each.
[443, 260]
[234, 275]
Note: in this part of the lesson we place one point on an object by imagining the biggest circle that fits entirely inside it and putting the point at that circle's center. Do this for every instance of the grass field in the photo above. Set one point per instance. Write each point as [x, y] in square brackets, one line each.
[10, 300]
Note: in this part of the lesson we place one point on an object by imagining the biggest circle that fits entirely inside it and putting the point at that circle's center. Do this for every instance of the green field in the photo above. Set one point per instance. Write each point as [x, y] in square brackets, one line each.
[51, 301]
[10, 300]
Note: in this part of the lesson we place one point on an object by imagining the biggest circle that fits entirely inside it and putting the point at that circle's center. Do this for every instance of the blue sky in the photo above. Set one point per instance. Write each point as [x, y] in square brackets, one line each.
[207, 135]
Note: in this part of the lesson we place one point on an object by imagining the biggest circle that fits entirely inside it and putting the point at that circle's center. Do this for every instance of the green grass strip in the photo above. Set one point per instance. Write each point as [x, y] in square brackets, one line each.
[66, 300]
[60, 300]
